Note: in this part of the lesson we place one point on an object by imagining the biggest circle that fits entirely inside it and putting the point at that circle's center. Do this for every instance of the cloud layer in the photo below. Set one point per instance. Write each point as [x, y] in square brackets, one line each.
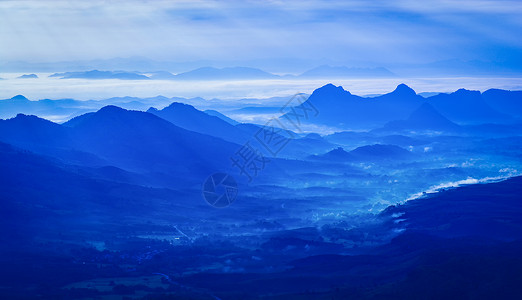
[380, 32]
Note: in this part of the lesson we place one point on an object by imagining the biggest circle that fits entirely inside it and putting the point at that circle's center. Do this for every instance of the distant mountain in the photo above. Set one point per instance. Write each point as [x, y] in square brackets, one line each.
[466, 107]
[425, 118]
[210, 73]
[95, 74]
[326, 71]
[340, 109]
[380, 152]
[216, 113]
[352, 139]
[375, 152]
[141, 140]
[162, 75]
[26, 76]
[337, 154]
[186, 116]
[19, 99]
[506, 102]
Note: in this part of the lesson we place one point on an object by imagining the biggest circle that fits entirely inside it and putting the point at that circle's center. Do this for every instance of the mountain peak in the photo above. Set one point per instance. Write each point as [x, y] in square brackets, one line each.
[110, 109]
[332, 89]
[403, 89]
[426, 110]
[339, 151]
[428, 117]
[19, 98]
[463, 92]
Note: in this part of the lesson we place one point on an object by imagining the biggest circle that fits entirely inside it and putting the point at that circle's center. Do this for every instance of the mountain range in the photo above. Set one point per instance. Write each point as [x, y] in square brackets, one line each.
[340, 109]
[230, 73]
[112, 201]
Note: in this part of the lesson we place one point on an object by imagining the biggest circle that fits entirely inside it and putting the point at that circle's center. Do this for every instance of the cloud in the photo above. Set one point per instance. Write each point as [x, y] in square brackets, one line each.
[380, 31]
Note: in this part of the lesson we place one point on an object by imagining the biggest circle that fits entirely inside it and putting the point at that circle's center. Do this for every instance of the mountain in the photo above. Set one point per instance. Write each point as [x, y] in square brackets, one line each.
[131, 140]
[26, 76]
[31, 132]
[210, 73]
[95, 74]
[336, 155]
[216, 113]
[338, 108]
[368, 153]
[380, 152]
[58, 200]
[326, 71]
[186, 116]
[19, 99]
[466, 107]
[425, 118]
[506, 102]
[162, 75]
[144, 142]
[472, 211]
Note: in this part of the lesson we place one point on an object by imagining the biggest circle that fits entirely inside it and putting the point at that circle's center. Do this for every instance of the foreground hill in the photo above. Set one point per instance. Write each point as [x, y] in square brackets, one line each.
[132, 140]
[458, 244]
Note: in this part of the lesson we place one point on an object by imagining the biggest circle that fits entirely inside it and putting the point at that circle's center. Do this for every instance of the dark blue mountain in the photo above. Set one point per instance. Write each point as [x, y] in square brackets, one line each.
[95, 74]
[56, 200]
[186, 116]
[131, 140]
[336, 155]
[506, 102]
[425, 118]
[141, 140]
[380, 152]
[466, 107]
[339, 108]
[488, 211]
[30, 132]
[19, 99]
[216, 113]
[368, 153]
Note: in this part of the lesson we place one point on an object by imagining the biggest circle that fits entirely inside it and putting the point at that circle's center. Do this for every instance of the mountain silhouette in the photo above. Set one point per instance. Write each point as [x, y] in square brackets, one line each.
[95, 74]
[506, 102]
[28, 76]
[403, 90]
[131, 140]
[337, 154]
[466, 107]
[368, 153]
[188, 117]
[210, 73]
[326, 71]
[141, 140]
[216, 113]
[340, 109]
[424, 118]
[19, 98]
[162, 75]
[379, 152]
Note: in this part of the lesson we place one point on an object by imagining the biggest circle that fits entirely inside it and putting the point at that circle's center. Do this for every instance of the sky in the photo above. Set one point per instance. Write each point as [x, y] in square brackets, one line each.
[354, 33]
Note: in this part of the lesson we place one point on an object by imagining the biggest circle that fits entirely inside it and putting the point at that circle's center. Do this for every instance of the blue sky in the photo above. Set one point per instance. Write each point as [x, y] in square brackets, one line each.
[345, 32]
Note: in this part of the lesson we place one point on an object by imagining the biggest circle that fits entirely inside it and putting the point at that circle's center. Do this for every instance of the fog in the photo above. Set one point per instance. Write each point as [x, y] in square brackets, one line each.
[85, 89]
